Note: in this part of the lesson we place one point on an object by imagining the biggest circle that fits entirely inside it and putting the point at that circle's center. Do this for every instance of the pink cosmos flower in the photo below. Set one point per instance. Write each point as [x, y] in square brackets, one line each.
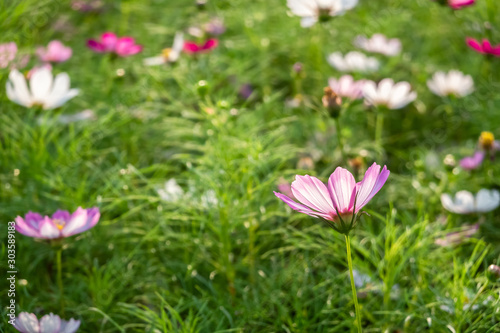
[55, 52]
[459, 4]
[61, 224]
[345, 86]
[484, 48]
[472, 162]
[51, 323]
[110, 43]
[194, 48]
[341, 200]
[8, 52]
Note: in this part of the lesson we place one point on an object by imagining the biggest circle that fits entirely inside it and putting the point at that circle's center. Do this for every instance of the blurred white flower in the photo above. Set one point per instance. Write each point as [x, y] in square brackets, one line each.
[452, 83]
[312, 11]
[72, 118]
[209, 198]
[44, 90]
[379, 43]
[465, 202]
[168, 55]
[345, 86]
[389, 94]
[171, 192]
[353, 62]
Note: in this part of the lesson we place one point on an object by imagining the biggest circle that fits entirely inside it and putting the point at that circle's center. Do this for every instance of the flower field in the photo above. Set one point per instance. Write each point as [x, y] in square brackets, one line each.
[250, 166]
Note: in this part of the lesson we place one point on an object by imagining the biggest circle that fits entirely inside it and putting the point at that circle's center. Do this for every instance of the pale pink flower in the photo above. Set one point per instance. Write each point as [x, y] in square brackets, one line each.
[8, 52]
[51, 323]
[55, 52]
[61, 224]
[379, 43]
[389, 94]
[341, 200]
[472, 162]
[454, 83]
[345, 86]
[110, 43]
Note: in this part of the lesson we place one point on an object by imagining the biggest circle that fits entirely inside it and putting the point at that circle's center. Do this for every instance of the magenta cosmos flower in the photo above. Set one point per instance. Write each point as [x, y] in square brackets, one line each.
[51, 323]
[194, 48]
[61, 224]
[54, 52]
[472, 162]
[459, 4]
[341, 200]
[484, 48]
[110, 43]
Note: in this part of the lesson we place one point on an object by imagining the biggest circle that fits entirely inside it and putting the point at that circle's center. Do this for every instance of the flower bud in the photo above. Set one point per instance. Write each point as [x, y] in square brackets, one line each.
[332, 102]
[494, 272]
[486, 140]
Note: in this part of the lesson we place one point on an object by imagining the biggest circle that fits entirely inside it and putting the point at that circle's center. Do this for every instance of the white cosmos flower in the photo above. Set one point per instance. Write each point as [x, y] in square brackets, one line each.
[169, 55]
[353, 62]
[43, 89]
[389, 94]
[465, 202]
[379, 43]
[313, 10]
[171, 192]
[452, 83]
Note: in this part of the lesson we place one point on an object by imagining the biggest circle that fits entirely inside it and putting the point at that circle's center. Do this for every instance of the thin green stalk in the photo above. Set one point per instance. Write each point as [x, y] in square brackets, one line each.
[353, 286]
[339, 139]
[59, 278]
[379, 127]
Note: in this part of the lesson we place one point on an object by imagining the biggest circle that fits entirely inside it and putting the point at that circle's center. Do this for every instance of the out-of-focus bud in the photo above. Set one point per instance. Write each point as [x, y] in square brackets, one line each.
[486, 140]
[201, 4]
[298, 67]
[202, 88]
[305, 163]
[356, 164]
[449, 161]
[493, 272]
[332, 102]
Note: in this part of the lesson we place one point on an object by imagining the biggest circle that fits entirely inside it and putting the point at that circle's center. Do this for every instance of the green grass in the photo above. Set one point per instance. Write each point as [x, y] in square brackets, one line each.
[248, 263]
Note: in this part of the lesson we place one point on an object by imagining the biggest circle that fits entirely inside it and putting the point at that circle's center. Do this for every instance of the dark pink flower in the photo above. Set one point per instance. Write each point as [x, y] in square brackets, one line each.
[194, 48]
[55, 52]
[110, 43]
[61, 224]
[472, 162]
[485, 47]
[341, 200]
[459, 4]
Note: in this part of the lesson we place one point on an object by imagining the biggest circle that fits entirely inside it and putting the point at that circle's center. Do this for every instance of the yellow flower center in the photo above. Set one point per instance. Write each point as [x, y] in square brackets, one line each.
[486, 140]
[165, 53]
[59, 223]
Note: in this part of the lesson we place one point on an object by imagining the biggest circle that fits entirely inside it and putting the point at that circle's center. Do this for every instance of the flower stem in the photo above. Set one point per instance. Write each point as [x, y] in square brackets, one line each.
[353, 286]
[339, 139]
[379, 127]
[59, 278]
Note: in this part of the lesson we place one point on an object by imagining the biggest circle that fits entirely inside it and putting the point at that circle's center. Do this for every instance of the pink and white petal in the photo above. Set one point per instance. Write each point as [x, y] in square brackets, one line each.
[340, 187]
[301, 208]
[27, 323]
[372, 183]
[20, 87]
[370, 91]
[93, 216]
[41, 84]
[77, 223]
[48, 229]
[70, 326]
[25, 228]
[109, 41]
[50, 324]
[311, 192]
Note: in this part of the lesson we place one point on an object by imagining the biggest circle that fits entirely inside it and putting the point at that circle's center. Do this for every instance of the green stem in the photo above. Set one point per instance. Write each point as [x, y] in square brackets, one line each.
[353, 286]
[379, 127]
[59, 278]
[339, 139]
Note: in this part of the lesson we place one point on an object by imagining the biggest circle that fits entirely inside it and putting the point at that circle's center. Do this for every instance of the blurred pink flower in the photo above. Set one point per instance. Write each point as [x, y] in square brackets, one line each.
[472, 162]
[8, 52]
[285, 188]
[51, 323]
[345, 86]
[379, 43]
[61, 224]
[194, 48]
[341, 201]
[457, 237]
[459, 4]
[484, 48]
[55, 52]
[110, 43]
[215, 27]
